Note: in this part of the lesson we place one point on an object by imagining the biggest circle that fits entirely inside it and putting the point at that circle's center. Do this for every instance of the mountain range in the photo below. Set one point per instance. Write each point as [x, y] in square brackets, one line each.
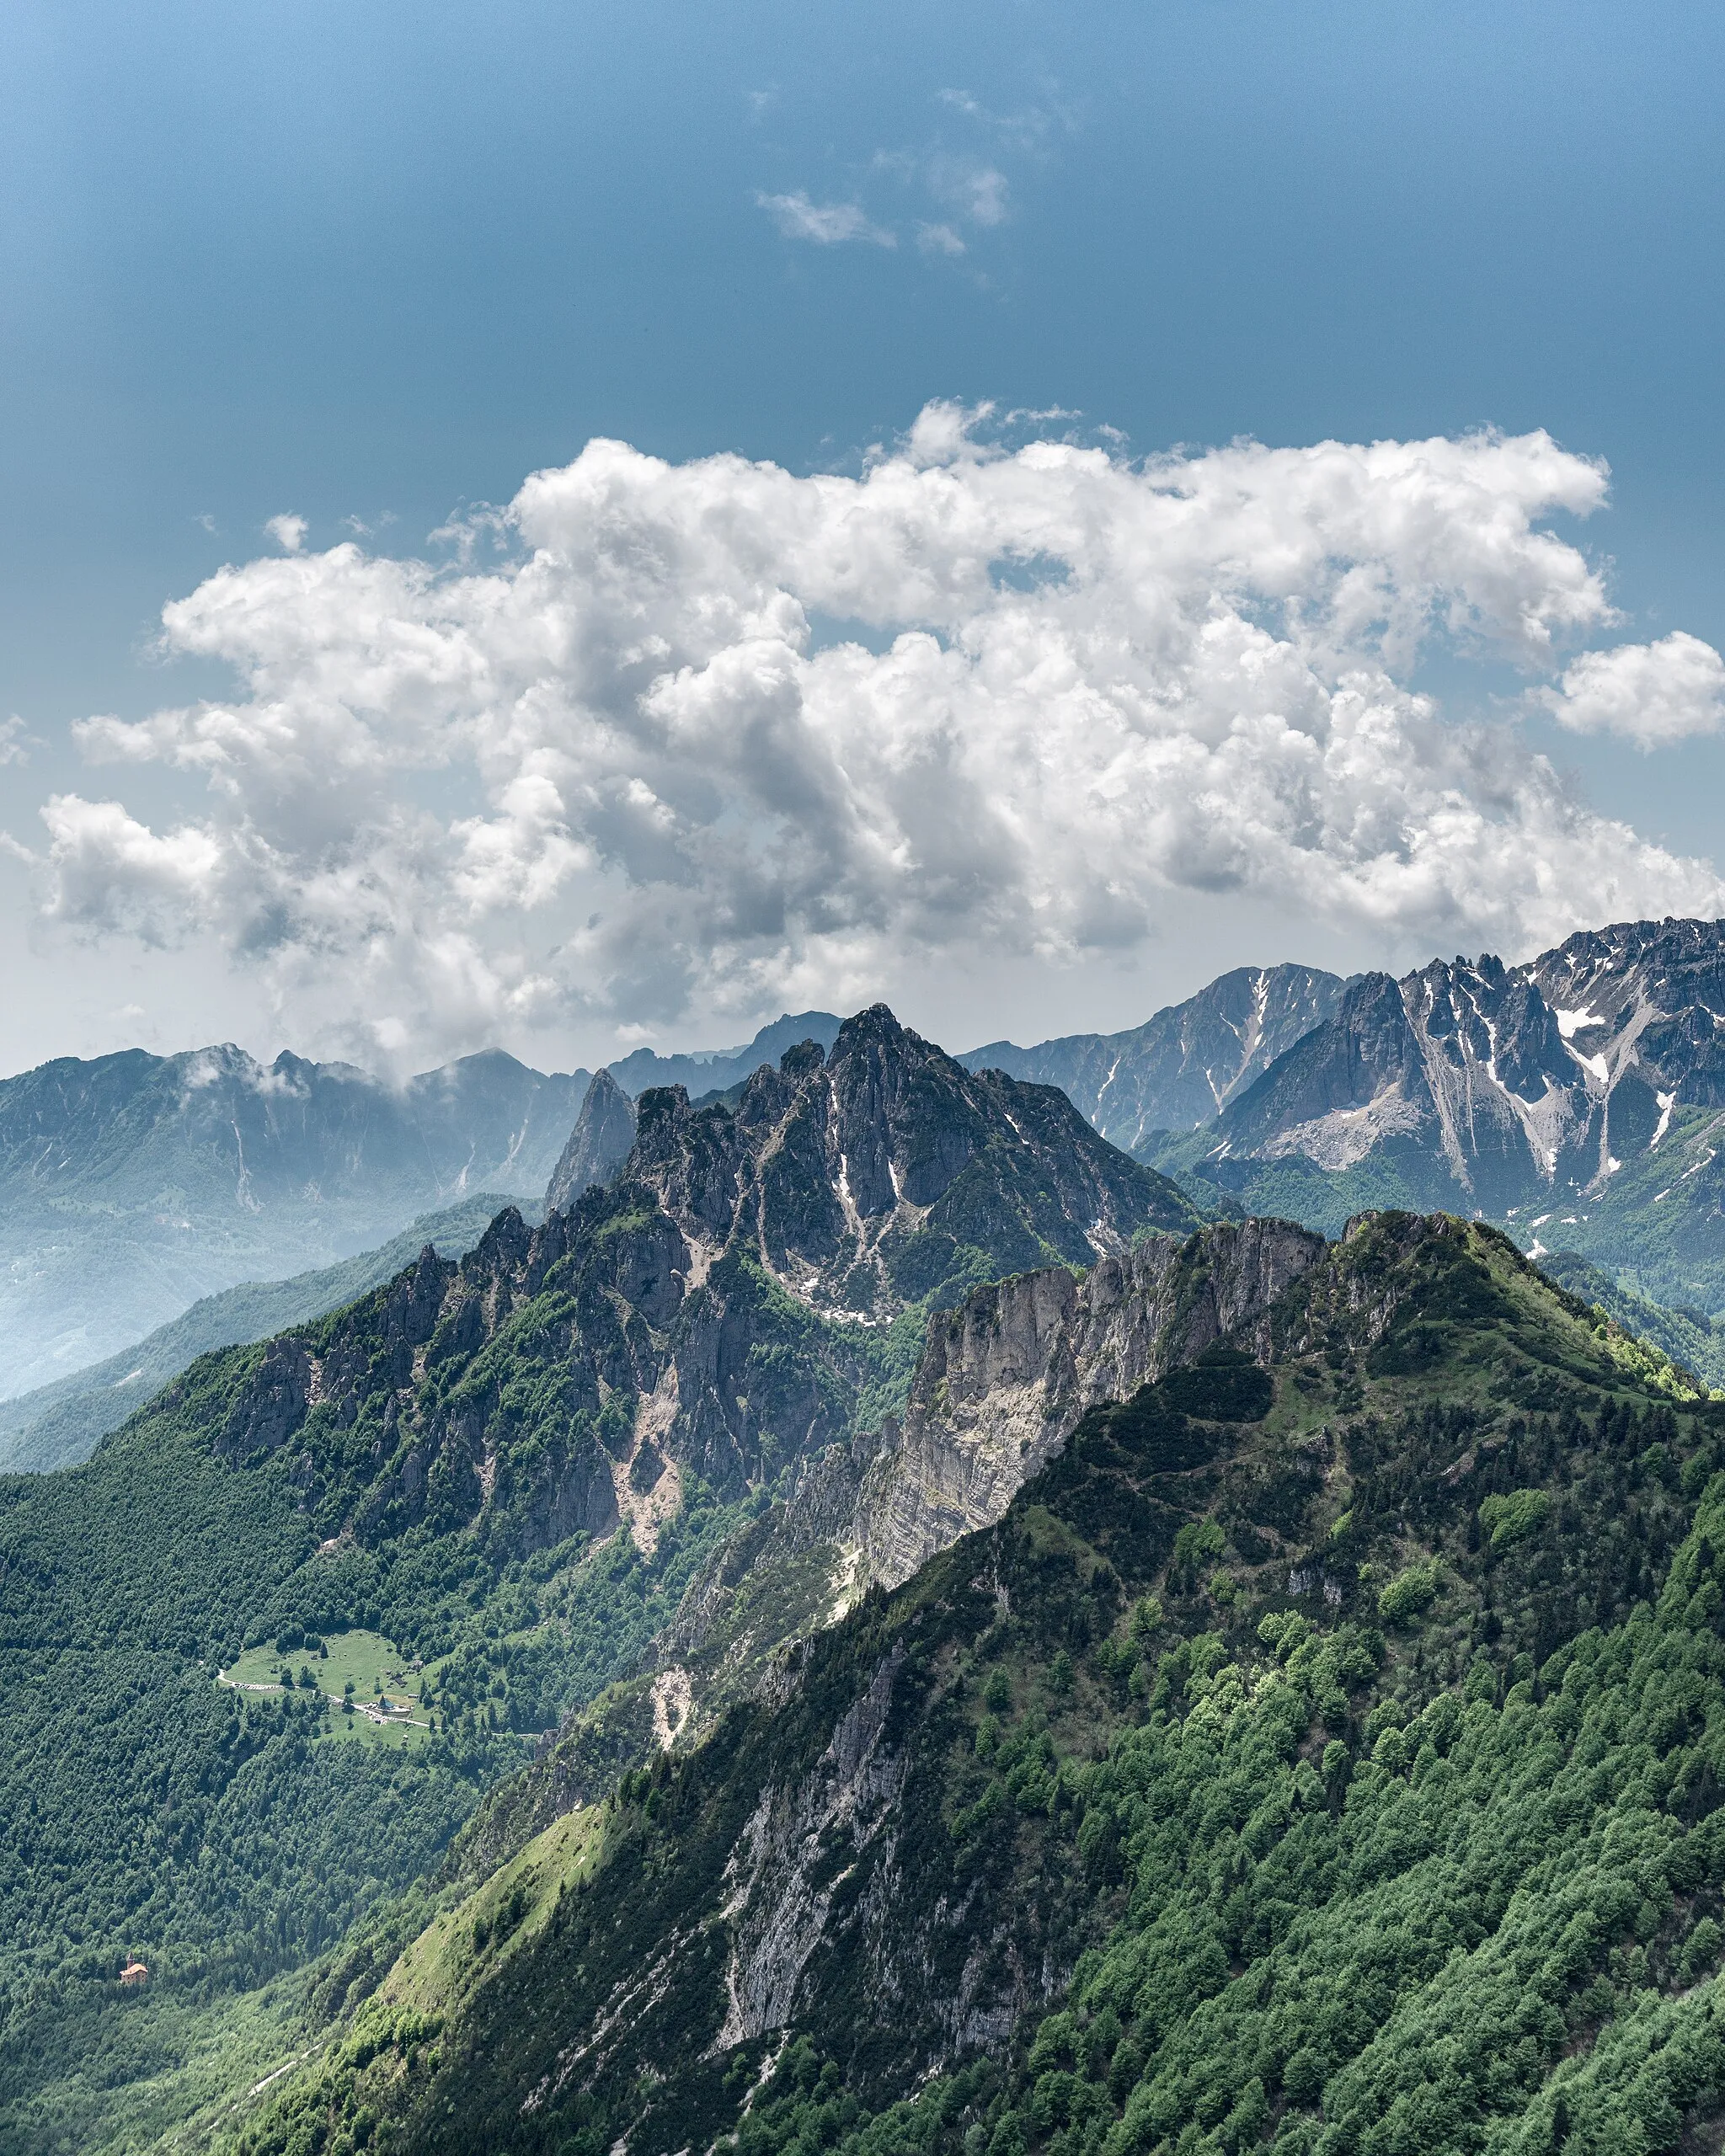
[134, 1185]
[878, 1625]
[1574, 1098]
[1220, 1692]
[513, 1467]
[1182, 1067]
[1319, 1751]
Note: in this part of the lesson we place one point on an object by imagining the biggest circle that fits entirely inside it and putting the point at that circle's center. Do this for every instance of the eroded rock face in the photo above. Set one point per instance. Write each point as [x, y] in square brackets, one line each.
[1006, 1379]
[273, 1407]
[1466, 1062]
[872, 1177]
[1002, 1383]
[781, 1878]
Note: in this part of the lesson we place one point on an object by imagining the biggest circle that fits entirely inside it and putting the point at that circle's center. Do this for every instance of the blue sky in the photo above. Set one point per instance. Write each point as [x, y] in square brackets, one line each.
[373, 264]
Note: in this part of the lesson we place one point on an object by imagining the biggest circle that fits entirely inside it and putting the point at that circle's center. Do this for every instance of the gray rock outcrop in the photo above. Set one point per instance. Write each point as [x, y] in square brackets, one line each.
[598, 1145]
[1006, 1378]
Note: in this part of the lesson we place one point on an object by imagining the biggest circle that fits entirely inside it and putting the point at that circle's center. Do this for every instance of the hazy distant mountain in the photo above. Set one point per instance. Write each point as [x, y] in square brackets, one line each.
[63, 1423]
[710, 1070]
[133, 1185]
[1180, 1067]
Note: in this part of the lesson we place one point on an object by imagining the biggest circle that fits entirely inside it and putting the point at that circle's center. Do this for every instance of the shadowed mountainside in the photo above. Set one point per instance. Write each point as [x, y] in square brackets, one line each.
[61, 1423]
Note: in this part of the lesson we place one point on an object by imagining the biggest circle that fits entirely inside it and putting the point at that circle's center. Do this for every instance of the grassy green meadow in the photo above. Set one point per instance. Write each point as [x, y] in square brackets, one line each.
[372, 1670]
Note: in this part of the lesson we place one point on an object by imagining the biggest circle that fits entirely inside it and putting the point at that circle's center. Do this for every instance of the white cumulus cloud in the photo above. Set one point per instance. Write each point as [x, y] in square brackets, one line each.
[939, 239]
[1649, 693]
[714, 730]
[288, 531]
[978, 192]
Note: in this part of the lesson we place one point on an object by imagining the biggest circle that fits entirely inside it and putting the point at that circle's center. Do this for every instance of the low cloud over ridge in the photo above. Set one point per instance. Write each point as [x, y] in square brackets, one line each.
[713, 727]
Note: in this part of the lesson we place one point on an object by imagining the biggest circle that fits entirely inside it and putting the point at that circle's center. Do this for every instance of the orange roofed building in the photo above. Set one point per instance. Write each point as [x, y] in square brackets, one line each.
[134, 1973]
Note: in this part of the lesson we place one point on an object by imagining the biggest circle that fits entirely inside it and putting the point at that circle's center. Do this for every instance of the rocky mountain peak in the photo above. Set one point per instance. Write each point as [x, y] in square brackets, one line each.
[666, 1340]
[1179, 1069]
[1643, 1000]
[1486, 1085]
[598, 1145]
[866, 1177]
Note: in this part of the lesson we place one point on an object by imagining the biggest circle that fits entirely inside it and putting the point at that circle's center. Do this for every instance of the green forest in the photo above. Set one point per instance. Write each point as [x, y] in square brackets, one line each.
[1324, 1752]
[1326, 1755]
[145, 1807]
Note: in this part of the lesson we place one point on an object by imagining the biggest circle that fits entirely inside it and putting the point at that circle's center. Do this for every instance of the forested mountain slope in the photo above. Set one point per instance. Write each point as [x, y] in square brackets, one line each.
[509, 1467]
[1325, 1750]
[1690, 1338]
[133, 1185]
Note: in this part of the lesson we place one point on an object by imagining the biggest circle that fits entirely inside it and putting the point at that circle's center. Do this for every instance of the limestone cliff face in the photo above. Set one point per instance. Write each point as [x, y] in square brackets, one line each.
[781, 1877]
[1003, 1381]
[1006, 1378]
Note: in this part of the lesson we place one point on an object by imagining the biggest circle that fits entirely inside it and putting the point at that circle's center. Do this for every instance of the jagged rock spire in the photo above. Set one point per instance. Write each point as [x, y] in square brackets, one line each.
[598, 1146]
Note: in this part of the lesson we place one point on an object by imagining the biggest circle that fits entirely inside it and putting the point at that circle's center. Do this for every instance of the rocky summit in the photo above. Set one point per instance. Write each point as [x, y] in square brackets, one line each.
[1575, 1098]
[1182, 1066]
[874, 1176]
[671, 1319]
[598, 1145]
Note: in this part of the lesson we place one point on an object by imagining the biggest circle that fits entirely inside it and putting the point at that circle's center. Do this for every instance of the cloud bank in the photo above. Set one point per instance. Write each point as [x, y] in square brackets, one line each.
[714, 731]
